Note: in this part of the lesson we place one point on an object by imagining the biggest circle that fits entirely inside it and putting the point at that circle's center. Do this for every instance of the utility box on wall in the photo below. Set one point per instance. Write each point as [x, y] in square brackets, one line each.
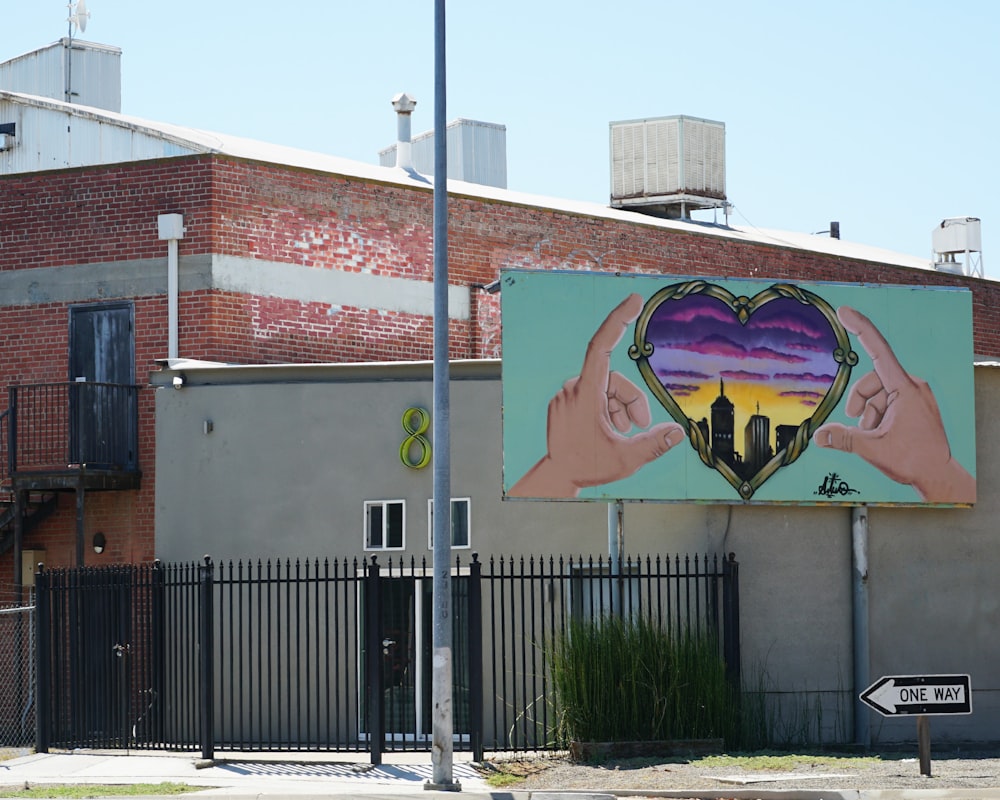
[668, 165]
[29, 563]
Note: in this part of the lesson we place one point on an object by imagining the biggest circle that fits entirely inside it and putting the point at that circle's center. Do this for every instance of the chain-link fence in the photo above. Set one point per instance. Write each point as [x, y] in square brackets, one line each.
[17, 675]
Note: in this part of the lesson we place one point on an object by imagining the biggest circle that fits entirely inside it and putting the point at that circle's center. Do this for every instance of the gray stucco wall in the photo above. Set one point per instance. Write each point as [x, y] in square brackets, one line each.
[295, 451]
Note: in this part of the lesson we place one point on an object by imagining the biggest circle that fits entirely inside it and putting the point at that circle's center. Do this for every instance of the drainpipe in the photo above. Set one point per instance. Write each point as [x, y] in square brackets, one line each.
[616, 551]
[171, 228]
[862, 652]
[404, 105]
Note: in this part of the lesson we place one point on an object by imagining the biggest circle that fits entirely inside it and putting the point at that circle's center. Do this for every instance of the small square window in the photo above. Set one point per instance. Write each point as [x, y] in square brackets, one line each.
[384, 524]
[461, 523]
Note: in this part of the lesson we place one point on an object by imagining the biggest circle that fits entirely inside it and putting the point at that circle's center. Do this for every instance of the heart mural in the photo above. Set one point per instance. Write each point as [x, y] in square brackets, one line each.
[749, 378]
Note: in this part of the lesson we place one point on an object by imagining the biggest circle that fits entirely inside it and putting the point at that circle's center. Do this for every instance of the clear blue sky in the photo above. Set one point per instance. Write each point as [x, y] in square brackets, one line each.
[881, 114]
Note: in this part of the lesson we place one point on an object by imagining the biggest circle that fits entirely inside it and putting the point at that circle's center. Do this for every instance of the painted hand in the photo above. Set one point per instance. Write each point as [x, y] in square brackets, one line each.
[899, 428]
[589, 417]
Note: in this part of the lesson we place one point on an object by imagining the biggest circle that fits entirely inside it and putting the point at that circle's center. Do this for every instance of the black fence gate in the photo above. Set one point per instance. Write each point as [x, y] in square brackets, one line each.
[336, 655]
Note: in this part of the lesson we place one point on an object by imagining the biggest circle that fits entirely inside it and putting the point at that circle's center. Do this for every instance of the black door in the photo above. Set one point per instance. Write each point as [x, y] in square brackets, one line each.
[101, 357]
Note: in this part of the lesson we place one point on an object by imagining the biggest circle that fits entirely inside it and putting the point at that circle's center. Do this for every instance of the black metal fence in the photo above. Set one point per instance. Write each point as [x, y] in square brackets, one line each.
[336, 655]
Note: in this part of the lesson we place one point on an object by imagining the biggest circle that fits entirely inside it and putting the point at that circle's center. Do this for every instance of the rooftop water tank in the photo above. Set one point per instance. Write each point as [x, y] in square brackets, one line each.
[954, 236]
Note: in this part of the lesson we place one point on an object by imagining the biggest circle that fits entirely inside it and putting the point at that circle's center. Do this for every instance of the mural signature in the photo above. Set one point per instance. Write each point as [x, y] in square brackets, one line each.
[833, 485]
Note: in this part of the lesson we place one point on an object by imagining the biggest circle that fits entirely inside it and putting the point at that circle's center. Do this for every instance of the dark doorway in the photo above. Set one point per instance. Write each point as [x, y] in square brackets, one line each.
[101, 354]
[407, 653]
[101, 346]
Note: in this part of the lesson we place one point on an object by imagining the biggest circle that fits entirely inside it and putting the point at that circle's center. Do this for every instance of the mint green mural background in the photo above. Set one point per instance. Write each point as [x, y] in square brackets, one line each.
[549, 318]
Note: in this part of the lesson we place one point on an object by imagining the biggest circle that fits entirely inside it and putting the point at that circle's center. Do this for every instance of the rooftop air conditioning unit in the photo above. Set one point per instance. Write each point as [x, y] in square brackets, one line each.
[668, 166]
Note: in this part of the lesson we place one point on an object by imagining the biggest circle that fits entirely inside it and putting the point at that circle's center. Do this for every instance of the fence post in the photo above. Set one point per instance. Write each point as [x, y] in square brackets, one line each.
[731, 618]
[476, 657]
[43, 667]
[373, 662]
[157, 695]
[206, 648]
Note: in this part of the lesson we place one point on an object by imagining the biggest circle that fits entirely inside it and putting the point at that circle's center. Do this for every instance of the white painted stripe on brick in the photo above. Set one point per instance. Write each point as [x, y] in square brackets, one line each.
[319, 285]
[81, 283]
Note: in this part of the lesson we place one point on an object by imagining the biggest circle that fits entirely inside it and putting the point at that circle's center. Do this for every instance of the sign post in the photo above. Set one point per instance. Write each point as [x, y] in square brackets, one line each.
[922, 696]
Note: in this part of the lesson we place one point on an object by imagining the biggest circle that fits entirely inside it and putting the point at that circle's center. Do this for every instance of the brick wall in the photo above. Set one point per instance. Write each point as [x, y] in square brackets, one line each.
[239, 208]
[247, 209]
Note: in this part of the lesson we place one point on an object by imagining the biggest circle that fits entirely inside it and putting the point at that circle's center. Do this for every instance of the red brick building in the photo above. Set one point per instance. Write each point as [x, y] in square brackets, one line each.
[285, 257]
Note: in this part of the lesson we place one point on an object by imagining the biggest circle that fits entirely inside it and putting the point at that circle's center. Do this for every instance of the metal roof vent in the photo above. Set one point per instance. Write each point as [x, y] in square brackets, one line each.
[404, 105]
[477, 152]
[668, 166]
[957, 235]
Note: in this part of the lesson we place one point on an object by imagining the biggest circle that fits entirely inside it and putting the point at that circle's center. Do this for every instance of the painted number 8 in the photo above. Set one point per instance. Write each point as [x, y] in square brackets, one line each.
[415, 451]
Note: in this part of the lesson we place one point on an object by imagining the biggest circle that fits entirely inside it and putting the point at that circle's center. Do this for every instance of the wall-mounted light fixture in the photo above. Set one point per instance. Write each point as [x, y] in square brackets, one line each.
[100, 542]
[490, 288]
[179, 381]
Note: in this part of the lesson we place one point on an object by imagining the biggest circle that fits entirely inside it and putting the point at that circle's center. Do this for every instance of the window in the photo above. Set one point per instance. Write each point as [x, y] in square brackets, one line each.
[460, 522]
[384, 524]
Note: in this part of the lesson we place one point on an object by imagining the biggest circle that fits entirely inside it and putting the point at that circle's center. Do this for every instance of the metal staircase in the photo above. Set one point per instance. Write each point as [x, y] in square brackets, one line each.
[37, 507]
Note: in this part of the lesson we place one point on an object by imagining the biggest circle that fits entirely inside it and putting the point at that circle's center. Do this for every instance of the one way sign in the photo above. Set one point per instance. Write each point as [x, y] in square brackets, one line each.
[899, 695]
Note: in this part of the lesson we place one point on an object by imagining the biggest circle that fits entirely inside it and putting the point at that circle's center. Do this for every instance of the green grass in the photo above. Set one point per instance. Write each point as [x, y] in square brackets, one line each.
[84, 790]
[502, 779]
[784, 762]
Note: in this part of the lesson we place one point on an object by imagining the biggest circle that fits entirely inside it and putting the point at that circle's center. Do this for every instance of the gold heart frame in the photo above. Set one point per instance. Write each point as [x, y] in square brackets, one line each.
[743, 308]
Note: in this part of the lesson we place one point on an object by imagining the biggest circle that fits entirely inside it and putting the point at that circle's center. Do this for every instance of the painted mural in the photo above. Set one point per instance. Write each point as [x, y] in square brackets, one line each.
[736, 391]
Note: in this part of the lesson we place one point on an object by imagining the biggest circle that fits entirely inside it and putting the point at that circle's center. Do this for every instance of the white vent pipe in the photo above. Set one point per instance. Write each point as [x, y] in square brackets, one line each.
[171, 228]
[404, 105]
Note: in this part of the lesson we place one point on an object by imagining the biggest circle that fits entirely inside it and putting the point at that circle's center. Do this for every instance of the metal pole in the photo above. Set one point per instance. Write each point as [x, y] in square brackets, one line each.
[172, 282]
[616, 548]
[69, 62]
[731, 621]
[80, 493]
[19, 498]
[859, 573]
[442, 722]
[43, 665]
[373, 656]
[924, 744]
[206, 652]
[476, 657]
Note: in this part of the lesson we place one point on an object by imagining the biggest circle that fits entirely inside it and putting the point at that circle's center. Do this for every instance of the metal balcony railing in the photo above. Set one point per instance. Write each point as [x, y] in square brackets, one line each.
[68, 427]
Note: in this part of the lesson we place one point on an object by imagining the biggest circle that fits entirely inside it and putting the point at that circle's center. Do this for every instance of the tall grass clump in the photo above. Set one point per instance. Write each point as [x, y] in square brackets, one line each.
[621, 680]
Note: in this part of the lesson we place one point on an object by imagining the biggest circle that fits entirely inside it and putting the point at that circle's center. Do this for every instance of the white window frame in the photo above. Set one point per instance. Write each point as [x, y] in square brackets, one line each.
[468, 523]
[384, 504]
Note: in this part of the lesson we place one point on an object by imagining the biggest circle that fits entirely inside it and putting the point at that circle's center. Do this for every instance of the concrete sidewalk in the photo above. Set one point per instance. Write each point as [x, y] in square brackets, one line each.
[318, 776]
[239, 776]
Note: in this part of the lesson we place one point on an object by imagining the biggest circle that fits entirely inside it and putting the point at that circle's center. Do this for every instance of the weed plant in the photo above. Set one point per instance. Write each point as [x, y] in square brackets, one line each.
[630, 680]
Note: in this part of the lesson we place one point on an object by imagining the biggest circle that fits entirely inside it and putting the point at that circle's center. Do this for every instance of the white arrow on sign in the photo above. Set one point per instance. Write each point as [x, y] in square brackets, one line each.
[919, 694]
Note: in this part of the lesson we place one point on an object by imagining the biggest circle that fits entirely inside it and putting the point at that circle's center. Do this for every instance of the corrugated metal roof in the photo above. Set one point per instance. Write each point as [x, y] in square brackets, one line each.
[186, 141]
